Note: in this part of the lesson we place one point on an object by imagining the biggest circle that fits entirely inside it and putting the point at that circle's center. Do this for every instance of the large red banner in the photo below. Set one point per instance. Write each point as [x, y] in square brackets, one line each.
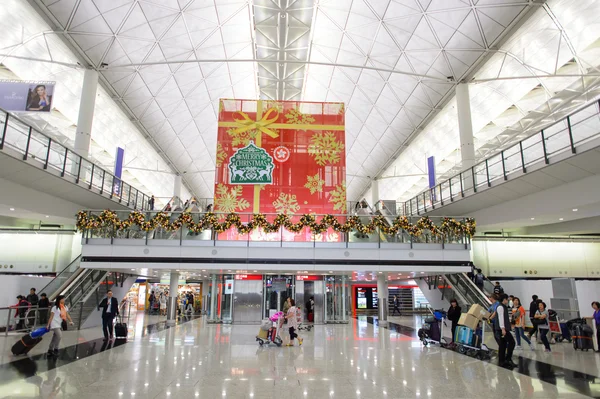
[278, 157]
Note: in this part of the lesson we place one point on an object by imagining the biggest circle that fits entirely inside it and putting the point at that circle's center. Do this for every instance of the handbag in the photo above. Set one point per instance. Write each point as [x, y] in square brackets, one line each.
[63, 325]
[538, 322]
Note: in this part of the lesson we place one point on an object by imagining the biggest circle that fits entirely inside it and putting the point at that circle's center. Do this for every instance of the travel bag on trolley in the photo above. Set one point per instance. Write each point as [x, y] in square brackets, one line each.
[432, 331]
[269, 333]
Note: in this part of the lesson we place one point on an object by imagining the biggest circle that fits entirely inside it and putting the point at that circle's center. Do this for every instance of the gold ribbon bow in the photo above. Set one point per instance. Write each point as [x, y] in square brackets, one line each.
[246, 123]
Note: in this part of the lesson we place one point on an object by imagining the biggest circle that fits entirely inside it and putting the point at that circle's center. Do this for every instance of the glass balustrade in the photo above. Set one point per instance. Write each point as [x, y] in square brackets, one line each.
[41, 150]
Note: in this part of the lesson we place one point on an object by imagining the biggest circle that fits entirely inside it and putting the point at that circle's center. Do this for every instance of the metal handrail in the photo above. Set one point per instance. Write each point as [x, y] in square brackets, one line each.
[67, 281]
[466, 181]
[69, 162]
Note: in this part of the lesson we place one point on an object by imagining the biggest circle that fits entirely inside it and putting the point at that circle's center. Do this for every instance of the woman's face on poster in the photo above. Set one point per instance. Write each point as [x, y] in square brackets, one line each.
[41, 91]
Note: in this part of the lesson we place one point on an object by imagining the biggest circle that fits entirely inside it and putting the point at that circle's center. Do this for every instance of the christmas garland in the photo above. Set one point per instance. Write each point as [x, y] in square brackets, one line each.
[210, 221]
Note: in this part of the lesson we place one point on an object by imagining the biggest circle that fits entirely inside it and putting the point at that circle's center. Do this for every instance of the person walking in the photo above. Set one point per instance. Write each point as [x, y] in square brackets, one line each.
[110, 310]
[506, 342]
[43, 305]
[59, 315]
[454, 313]
[541, 319]
[292, 322]
[396, 303]
[519, 320]
[533, 307]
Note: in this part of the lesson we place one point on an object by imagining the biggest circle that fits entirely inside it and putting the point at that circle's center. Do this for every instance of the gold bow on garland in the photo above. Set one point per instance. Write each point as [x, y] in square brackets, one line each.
[209, 220]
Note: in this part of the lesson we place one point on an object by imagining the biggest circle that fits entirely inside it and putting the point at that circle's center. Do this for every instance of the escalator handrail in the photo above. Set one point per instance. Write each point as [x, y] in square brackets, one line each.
[473, 287]
[66, 283]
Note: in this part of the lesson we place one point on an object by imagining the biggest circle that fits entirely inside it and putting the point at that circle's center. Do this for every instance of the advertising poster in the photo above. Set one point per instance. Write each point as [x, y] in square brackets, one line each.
[20, 96]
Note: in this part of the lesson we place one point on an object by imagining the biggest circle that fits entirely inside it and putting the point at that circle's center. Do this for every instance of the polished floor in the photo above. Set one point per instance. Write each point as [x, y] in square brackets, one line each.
[358, 360]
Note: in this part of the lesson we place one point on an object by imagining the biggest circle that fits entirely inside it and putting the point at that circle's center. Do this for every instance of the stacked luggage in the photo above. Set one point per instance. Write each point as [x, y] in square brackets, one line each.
[431, 331]
[581, 334]
[468, 336]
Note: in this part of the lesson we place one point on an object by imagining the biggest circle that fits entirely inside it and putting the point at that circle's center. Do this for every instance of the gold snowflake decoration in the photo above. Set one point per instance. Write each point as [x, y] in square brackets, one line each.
[325, 148]
[296, 117]
[314, 183]
[242, 138]
[228, 200]
[221, 154]
[338, 197]
[275, 104]
[286, 204]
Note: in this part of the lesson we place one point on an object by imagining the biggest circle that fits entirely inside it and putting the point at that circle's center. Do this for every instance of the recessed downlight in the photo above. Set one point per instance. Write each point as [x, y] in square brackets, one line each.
[575, 209]
[532, 218]
[12, 209]
[561, 219]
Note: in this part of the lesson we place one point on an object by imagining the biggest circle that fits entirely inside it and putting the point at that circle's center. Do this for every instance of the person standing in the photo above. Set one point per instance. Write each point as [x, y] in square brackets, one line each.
[396, 302]
[33, 300]
[519, 319]
[292, 322]
[506, 342]
[150, 301]
[533, 307]
[43, 305]
[454, 313]
[541, 317]
[498, 290]
[59, 315]
[21, 309]
[110, 310]
[596, 317]
[163, 304]
[479, 279]
[151, 203]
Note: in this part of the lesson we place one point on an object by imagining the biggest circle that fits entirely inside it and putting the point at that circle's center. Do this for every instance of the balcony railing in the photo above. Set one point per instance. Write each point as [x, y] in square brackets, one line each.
[283, 237]
[565, 136]
[44, 152]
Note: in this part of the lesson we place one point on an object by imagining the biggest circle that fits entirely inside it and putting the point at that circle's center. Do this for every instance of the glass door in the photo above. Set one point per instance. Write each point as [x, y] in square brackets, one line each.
[277, 289]
[336, 299]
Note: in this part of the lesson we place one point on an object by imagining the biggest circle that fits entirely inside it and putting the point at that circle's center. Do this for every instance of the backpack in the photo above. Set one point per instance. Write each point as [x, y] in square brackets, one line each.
[479, 279]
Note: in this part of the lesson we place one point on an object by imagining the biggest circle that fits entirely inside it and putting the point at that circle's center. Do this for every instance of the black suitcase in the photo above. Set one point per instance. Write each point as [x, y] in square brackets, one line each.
[25, 344]
[121, 330]
[582, 337]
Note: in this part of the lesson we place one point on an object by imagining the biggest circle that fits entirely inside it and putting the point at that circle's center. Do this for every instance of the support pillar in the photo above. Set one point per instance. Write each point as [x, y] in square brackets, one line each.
[382, 299]
[374, 193]
[177, 187]
[465, 125]
[213, 316]
[83, 135]
[172, 303]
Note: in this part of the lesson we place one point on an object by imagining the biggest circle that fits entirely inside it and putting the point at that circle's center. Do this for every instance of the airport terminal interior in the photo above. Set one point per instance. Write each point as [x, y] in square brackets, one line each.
[300, 199]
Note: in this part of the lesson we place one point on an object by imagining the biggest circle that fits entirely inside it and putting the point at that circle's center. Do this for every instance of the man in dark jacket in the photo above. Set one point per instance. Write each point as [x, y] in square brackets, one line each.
[33, 300]
[43, 305]
[454, 313]
[498, 290]
[506, 342]
[533, 307]
[110, 310]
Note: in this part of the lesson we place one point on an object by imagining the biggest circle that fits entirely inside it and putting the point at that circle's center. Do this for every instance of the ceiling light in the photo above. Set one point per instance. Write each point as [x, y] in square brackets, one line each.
[12, 209]
[532, 218]
[561, 219]
[47, 216]
[575, 209]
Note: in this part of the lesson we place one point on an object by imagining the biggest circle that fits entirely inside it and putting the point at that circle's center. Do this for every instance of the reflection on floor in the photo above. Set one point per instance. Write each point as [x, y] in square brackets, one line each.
[358, 360]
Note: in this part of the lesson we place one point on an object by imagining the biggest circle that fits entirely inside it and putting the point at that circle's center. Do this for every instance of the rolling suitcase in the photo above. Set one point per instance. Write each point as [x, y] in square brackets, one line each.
[434, 331]
[121, 330]
[311, 317]
[25, 344]
[464, 335]
[582, 337]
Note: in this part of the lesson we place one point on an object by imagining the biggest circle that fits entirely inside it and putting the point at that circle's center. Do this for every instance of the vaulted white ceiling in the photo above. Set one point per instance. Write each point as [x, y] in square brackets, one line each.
[393, 62]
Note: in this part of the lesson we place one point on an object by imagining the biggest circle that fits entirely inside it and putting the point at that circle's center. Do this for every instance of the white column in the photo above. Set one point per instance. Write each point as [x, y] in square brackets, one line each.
[382, 298]
[374, 192]
[83, 133]
[465, 125]
[177, 187]
[172, 305]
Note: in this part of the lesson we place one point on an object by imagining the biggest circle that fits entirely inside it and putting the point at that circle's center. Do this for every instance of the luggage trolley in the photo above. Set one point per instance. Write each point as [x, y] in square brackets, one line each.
[475, 349]
[270, 328]
[432, 331]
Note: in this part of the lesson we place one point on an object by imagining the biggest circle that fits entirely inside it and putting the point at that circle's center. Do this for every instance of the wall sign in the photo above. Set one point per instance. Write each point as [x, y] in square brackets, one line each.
[21, 96]
[251, 165]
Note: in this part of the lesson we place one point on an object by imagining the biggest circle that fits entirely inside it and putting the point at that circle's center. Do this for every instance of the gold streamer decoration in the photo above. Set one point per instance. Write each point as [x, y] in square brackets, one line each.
[210, 221]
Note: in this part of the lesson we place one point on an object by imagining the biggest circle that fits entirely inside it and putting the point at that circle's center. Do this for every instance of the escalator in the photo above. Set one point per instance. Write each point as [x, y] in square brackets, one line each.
[83, 289]
[440, 289]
